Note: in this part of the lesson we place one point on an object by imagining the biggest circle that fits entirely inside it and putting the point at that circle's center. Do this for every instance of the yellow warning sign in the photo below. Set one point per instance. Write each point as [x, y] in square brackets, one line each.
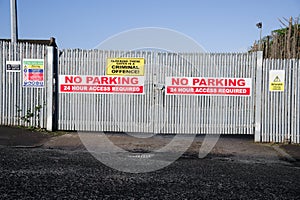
[125, 66]
[276, 80]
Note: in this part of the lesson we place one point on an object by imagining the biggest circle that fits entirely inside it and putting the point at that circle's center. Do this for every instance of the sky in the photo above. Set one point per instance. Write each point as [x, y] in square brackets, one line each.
[217, 25]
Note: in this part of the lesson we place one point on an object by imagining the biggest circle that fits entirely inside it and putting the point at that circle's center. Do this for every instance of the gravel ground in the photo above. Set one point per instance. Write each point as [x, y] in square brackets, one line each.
[39, 173]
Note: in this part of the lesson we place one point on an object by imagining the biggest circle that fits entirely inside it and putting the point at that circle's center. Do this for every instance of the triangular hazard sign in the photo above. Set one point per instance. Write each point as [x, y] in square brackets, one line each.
[277, 79]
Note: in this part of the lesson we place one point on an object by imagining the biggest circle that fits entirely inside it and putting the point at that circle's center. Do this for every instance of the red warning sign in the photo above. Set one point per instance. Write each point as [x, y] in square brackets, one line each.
[101, 84]
[208, 86]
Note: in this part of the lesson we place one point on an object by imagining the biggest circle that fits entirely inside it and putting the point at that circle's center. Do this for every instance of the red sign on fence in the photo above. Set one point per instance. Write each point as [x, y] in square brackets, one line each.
[208, 86]
[101, 84]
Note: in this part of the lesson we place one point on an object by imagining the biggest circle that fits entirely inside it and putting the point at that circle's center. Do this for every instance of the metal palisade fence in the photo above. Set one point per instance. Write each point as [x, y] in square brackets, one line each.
[281, 109]
[20, 106]
[268, 108]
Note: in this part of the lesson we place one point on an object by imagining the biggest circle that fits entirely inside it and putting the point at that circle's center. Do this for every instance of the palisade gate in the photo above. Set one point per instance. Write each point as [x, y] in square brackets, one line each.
[154, 111]
[264, 101]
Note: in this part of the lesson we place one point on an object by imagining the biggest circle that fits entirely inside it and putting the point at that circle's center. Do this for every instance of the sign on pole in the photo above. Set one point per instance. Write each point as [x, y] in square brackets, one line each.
[33, 73]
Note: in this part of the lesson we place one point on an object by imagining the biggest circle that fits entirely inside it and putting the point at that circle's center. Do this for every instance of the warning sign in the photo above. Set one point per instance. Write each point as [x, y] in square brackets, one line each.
[101, 84]
[276, 79]
[33, 73]
[125, 66]
[208, 86]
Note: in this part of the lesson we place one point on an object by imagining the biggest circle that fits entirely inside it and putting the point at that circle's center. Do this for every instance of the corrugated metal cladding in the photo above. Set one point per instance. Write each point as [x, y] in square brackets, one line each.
[155, 112]
[16, 101]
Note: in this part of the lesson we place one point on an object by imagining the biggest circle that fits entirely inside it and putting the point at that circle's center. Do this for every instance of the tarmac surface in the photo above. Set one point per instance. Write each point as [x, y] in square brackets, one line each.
[35, 165]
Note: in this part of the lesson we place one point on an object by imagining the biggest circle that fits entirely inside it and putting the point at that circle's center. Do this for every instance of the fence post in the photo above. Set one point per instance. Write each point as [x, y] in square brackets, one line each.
[52, 92]
[258, 92]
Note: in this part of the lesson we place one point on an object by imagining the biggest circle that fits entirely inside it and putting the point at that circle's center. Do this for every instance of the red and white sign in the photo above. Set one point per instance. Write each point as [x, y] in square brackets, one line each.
[208, 86]
[101, 84]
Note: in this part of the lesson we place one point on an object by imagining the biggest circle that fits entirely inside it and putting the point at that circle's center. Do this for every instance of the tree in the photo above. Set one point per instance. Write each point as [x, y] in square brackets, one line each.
[283, 43]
